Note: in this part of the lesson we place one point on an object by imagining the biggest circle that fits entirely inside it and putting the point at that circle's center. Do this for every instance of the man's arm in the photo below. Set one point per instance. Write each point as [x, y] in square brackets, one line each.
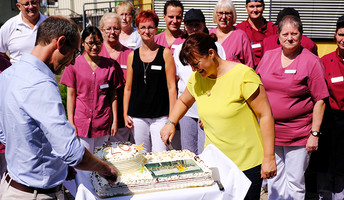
[91, 163]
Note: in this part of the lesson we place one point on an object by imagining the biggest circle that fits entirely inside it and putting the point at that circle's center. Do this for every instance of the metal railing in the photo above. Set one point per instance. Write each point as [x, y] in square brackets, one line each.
[93, 11]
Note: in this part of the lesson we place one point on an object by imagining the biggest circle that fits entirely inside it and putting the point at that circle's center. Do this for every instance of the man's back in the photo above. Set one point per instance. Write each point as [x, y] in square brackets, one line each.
[34, 125]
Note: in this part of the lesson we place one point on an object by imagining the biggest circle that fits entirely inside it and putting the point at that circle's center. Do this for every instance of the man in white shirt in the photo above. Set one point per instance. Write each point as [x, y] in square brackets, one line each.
[18, 34]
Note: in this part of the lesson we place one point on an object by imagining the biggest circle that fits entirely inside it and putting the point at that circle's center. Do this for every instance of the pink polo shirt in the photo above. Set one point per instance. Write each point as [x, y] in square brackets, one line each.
[334, 73]
[161, 40]
[257, 36]
[4, 63]
[238, 47]
[272, 42]
[292, 92]
[93, 100]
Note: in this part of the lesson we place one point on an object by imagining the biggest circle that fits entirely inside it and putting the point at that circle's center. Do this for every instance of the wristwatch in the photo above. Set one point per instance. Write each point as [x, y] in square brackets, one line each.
[170, 122]
[316, 133]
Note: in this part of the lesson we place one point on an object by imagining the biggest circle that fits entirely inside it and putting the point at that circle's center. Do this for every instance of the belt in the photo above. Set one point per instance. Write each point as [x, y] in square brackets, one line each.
[25, 188]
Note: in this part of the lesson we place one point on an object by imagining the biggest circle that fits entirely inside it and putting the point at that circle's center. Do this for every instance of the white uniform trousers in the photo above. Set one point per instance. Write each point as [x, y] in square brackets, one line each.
[147, 131]
[289, 184]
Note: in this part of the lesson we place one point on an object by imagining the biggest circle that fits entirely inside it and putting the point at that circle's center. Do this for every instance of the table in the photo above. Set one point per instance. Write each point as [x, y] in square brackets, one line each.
[236, 184]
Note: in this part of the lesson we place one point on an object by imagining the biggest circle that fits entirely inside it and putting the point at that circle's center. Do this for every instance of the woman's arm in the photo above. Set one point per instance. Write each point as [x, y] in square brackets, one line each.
[318, 114]
[260, 105]
[127, 91]
[170, 70]
[114, 106]
[71, 99]
[183, 103]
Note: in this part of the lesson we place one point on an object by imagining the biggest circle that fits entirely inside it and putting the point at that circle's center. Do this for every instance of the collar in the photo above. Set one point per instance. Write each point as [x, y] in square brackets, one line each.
[339, 57]
[20, 20]
[37, 63]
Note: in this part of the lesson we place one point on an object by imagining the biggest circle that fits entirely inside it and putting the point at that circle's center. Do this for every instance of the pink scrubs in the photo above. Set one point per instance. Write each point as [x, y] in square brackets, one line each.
[257, 36]
[161, 40]
[292, 92]
[238, 47]
[93, 100]
[122, 58]
[334, 73]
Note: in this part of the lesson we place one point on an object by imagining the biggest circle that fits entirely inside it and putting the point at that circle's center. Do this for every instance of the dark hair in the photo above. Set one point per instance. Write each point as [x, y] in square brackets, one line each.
[56, 26]
[291, 19]
[174, 3]
[285, 12]
[197, 44]
[185, 33]
[145, 15]
[340, 22]
[91, 30]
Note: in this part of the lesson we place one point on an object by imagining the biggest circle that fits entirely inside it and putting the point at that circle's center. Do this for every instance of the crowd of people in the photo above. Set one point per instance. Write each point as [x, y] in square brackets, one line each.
[257, 91]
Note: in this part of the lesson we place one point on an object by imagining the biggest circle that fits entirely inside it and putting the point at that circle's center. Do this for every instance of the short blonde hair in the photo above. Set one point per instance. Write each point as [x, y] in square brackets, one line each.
[127, 5]
[108, 16]
[227, 4]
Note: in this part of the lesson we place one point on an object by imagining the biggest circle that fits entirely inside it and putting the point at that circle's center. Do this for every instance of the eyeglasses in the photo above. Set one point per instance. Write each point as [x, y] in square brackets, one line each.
[91, 44]
[227, 14]
[149, 28]
[32, 3]
[108, 30]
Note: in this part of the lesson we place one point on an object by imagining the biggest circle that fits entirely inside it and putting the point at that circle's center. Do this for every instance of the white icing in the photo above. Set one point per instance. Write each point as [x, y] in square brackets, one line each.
[140, 179]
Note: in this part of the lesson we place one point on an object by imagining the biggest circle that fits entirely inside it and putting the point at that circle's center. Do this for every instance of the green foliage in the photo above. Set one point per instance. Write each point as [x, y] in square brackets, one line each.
[160, 31]
[63, 91]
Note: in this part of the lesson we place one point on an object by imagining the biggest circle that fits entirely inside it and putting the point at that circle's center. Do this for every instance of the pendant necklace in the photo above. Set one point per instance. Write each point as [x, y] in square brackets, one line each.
[144, 72]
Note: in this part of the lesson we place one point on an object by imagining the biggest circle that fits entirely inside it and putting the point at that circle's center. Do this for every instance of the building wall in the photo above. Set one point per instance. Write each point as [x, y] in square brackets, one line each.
[8, 10]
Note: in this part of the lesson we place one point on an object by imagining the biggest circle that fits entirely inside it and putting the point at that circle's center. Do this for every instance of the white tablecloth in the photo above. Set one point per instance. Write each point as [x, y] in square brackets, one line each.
[236, 184]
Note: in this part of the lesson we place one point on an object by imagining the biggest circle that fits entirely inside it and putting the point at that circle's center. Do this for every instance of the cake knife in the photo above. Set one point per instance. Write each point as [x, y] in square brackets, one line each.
[216, 177]
[169, 145]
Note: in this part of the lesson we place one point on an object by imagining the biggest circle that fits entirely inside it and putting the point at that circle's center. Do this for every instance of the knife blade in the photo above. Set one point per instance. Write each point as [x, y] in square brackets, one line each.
[169, 145]
[216, 177]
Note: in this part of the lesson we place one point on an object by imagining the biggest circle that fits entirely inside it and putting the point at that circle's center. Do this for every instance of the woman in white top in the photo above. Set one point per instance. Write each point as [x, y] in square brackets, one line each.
[192, 136]
[129, 36]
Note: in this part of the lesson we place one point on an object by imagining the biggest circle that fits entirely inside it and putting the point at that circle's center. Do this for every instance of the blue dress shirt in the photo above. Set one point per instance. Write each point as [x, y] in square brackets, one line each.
[40, 142]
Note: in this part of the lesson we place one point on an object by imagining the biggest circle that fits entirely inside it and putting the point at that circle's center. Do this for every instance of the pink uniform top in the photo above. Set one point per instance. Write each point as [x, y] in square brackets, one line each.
[334, 73]
[122, 58]
[238, 47]
[292, 92]
[93, 99]
[4, 63]
[272, 42]
[161, 40]
[122, 61]
[257, 36]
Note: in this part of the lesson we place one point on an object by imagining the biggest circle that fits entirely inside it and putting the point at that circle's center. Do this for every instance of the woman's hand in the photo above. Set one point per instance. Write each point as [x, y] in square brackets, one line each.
[128, 122]
[269, 168]
[167, 133]
[312, 144]
[114, 129]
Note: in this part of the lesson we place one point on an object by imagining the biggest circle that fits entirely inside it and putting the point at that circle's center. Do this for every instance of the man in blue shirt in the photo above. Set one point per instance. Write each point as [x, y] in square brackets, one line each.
[40, 142]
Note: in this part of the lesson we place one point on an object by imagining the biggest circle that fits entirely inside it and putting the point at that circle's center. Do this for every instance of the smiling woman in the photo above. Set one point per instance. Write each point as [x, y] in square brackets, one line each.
[294, 79]
[230, 100]
[150, 90]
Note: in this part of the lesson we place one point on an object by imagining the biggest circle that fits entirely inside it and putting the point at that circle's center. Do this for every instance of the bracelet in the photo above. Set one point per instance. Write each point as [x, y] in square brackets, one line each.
[170, 122]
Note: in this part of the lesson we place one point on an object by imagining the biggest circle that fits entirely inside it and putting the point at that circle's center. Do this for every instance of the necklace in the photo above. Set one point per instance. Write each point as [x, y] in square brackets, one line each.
[144, 72]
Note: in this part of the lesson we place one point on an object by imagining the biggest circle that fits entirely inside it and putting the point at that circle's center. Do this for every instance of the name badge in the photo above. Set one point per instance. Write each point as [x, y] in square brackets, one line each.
[123, 66]
[104, 86]
[254, 46]
[173, 46]
[290, 71]
[337, 79]
[156, 67]
[132, 44]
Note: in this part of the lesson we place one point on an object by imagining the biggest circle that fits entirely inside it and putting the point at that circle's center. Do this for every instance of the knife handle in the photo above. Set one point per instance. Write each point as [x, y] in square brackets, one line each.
[220, 185]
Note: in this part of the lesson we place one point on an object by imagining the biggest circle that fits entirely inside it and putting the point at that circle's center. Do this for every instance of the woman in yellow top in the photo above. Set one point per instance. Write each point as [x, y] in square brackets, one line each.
[230, 99]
